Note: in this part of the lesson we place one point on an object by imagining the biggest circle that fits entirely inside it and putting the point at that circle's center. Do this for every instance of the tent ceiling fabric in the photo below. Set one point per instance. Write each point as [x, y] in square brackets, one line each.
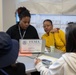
[49, 6]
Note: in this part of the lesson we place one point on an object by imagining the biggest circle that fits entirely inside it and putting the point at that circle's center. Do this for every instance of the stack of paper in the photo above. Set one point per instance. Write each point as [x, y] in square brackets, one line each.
[46, 57]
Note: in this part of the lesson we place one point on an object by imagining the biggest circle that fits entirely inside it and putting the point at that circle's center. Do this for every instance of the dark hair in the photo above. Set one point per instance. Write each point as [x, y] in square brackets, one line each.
[71, 38]
[49, 21]
[70, 23]
[22, 12]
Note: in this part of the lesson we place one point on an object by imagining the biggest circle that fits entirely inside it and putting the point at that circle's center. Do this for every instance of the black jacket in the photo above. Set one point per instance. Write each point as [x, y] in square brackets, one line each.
[18, 69]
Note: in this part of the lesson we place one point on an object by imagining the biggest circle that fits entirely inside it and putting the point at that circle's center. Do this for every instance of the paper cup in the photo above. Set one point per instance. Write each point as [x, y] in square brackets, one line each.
[52, 48]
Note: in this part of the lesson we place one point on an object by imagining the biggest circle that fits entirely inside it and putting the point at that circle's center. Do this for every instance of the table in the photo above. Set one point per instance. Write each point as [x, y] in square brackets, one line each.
[29, 61]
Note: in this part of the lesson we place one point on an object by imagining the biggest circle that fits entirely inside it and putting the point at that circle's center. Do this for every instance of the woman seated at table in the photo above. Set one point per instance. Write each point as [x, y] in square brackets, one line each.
[53, 37]
[66, 65]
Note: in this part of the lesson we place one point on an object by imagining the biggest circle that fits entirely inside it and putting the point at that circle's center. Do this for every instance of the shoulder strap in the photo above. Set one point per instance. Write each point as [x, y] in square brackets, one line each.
[4, 72]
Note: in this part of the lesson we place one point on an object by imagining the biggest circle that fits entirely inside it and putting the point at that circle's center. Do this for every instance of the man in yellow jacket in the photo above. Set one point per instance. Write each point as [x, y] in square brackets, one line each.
[53, 37]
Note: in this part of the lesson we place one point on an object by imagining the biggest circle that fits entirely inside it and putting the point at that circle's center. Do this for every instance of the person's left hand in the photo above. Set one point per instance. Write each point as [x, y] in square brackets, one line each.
[37, 61]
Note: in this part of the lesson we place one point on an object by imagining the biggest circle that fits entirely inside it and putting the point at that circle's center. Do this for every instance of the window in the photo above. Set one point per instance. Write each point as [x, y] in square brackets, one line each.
[59, 21]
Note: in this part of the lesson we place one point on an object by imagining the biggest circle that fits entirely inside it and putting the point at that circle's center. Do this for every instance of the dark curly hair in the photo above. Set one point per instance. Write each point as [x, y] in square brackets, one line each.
[23, 12]
[48, 20]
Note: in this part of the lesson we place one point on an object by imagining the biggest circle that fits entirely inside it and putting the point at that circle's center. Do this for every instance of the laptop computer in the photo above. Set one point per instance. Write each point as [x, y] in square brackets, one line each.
[32, 45]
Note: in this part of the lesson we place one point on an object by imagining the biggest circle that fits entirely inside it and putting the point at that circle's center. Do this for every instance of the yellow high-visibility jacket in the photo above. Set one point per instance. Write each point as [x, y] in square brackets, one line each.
[56, 39]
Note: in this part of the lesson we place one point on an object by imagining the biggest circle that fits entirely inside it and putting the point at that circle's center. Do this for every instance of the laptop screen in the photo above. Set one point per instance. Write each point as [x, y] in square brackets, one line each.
[32, 45]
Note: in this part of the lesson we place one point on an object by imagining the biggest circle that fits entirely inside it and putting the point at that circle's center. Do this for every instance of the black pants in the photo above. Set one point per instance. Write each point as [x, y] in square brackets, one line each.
[35, 73]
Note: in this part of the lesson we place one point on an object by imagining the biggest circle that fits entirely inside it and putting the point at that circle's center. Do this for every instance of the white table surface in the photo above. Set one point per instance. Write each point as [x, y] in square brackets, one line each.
[29, 61]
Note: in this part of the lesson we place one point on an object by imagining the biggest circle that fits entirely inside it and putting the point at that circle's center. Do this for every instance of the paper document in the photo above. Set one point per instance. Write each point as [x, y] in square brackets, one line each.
[48, 58]
[32, 45]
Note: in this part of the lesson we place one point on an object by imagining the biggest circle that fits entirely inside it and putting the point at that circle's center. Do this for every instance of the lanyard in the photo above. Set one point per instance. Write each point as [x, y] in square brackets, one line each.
[3, 71]
[22, 36]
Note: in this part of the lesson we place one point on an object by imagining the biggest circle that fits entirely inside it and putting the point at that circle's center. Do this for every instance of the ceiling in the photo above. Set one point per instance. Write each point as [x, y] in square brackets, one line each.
[65, 7]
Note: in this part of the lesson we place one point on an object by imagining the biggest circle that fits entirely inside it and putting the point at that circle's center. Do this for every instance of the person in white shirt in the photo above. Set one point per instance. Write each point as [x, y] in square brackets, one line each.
[66, 65]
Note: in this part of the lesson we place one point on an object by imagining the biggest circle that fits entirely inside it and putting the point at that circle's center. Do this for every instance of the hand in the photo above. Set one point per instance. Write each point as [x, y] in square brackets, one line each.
[37, 61]
[55, 30]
